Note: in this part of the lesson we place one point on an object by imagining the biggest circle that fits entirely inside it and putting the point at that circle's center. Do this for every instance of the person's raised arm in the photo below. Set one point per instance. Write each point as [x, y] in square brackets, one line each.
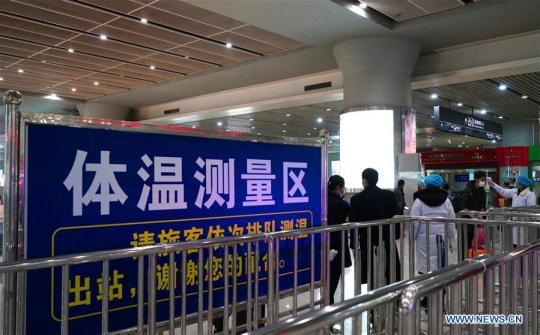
[507, 193]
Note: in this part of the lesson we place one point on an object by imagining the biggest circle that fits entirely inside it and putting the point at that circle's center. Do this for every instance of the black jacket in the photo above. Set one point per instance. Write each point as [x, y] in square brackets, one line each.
[473, 198]
[374, 203]
[338, 210]
[432, 197]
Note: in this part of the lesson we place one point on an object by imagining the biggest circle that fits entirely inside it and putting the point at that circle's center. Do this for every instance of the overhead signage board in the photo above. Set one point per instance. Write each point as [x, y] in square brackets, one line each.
[456, 122]
[90, 189]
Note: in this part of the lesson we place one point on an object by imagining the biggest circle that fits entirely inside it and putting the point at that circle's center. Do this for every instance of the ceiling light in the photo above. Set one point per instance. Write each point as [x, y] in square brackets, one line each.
[493, 141]
[314, 128]
[228, 45]
[96, 83]
[363, 5]
[251, 119]
[1, 78]
[283, 131]
[501, 117]
[329, 109]
[524, 97]
[460, 104]
[193, 127]
[227, 130]
[432, 116]
[144, 20]
[43, 61]
[319, 120]
[73, 89]
[186, 57]
[20, 70]
[220, 123]
[70, 50]
[52, 96]
[502, 87]
[284, 124]
[288, 115]
[434, 96]
[483, 111]
[103, 37]
[152, 67]
[258, 134]
[252, 127]
[308, 134]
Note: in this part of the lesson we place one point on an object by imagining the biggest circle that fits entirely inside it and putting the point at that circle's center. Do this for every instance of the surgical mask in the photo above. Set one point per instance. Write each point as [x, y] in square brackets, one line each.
[482, 184]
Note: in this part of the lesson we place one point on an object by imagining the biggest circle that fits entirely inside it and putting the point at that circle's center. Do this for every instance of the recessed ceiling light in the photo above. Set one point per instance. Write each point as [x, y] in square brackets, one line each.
[432, 116]
[314, 128]
[501, 117]
[103, 37]
[251, 119]
[152, 67]
[283, 131]
[284, 124]
[460, 104]
[73, 89]
[1, 78]
[96, 83]
[193, 127]
[308, 134]
[227, 130]
[524, 97]
[220, 123]
[319, 120]
[70, 50]
[228, 45]
[483, 111]
[186, 57]
[144, 20]
[20, 70]
[43, 61]
[258, 134]
[252, 127]
[329, 109]
[363, 5]
[493, 141]
[288, 115]
[502, 87]
[52, 96]
[434, 96]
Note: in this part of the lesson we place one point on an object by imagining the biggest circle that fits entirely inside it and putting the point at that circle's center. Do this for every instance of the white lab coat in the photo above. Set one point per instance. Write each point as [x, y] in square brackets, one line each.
[421, 209]
[524, 199]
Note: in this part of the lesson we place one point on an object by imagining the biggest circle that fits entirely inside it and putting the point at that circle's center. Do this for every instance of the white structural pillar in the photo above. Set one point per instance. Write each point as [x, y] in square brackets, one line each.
[520, 133]
[377, 92]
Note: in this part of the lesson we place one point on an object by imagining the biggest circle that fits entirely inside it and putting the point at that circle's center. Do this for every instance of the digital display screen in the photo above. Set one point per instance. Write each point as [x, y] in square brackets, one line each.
[456, 122]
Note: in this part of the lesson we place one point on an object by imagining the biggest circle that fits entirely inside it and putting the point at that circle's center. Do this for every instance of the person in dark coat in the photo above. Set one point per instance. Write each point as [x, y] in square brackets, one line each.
[400, 197]
[374, 203]
[338, 210]
[473, 198]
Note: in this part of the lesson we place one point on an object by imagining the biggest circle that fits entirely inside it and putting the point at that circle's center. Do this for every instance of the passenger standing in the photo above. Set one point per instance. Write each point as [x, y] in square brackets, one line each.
[400, 197]
[473, 198]
[374, 203]
[433, 202]
[338, 210]
[521, 196]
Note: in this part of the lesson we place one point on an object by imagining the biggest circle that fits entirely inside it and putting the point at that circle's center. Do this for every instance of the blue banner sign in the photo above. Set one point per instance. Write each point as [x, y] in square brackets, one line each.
[93, 189]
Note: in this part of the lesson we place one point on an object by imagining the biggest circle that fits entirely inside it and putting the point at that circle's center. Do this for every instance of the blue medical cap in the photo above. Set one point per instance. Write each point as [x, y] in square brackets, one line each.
[524, 181]
[434, 180]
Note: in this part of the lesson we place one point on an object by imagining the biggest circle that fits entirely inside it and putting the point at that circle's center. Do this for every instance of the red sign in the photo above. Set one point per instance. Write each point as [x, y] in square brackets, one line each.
[459, 156]
[513, 156]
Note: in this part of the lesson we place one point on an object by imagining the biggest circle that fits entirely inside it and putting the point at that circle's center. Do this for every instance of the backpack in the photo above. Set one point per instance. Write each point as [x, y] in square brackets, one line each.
[456, 202]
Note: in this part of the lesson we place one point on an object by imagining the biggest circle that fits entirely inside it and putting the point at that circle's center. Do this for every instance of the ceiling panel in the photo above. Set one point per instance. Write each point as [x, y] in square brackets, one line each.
[434, 6]
[401, 10]
[177, 39]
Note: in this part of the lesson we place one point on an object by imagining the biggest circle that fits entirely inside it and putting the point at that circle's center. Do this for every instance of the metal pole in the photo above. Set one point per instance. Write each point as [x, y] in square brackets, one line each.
[324, 136]
[12, 99]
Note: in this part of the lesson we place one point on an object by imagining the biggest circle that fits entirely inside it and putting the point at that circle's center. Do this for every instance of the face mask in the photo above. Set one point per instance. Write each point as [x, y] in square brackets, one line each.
[482, 184]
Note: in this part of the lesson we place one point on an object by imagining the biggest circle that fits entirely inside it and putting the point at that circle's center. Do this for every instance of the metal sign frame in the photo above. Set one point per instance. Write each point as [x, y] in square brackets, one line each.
[16, 145]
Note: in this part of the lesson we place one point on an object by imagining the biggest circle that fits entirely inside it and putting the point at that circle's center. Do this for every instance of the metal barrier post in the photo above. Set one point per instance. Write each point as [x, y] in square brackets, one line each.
[324, 136]
[12, 323]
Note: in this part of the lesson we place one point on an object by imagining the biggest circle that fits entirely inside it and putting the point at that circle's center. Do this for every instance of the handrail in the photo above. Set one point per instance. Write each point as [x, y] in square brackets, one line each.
[88, 257]
[409, 290]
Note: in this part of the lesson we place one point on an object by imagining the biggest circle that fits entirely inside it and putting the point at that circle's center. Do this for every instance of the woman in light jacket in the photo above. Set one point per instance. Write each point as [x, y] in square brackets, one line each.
[433, 202]
[521, 196]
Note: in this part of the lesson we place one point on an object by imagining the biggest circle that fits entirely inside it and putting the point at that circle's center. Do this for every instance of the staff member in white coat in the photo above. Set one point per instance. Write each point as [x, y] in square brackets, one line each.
[433, 202]
[521, 196]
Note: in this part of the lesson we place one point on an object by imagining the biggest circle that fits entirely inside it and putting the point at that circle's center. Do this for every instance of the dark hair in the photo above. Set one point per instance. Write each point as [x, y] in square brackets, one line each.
[478, 175]
[446, 186]
[335, 181]
[371, 175]
[401, 182]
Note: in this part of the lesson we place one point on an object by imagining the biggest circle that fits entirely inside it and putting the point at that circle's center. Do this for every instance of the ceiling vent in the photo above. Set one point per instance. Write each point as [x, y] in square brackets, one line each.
[317, 86]
[172, 111]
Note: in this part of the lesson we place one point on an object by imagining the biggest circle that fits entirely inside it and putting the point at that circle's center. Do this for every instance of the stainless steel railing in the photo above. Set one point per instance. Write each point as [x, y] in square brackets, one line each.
[376, 263]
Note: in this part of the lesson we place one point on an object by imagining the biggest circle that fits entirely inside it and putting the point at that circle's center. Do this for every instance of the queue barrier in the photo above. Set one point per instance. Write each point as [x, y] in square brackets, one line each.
[504, 284]
[376, 263]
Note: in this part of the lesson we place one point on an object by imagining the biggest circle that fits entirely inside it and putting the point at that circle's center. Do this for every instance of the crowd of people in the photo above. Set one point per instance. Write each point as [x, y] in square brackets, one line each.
[433, 200]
